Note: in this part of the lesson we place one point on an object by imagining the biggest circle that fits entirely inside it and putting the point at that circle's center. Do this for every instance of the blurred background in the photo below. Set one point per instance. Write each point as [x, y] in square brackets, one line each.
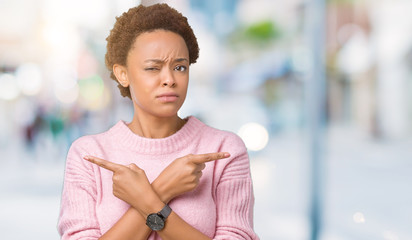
[320, 91]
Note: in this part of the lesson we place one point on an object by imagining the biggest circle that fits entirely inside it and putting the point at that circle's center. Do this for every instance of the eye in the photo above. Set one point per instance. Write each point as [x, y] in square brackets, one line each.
[180, 68]
[151, 69]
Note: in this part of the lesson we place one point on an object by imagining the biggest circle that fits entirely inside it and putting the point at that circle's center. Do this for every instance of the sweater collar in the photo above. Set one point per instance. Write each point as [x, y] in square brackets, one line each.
[122, 134]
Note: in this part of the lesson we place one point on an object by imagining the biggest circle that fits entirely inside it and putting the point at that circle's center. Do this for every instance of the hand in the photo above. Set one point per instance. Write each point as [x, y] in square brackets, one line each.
[183, 175]
[130, 184]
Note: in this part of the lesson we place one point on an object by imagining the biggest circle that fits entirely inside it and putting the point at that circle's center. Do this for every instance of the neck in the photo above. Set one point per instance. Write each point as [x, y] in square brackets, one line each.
[155, 127]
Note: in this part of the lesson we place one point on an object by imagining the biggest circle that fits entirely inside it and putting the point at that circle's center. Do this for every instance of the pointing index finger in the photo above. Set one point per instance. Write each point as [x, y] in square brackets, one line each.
[208, 157]
[103, 163]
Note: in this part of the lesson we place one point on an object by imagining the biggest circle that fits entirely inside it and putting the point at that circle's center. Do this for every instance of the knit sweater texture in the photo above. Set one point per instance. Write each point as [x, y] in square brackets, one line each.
[221, 206]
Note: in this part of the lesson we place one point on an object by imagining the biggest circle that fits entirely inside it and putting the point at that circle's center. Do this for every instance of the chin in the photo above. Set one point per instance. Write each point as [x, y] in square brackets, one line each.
[166, 114]
[167, 111]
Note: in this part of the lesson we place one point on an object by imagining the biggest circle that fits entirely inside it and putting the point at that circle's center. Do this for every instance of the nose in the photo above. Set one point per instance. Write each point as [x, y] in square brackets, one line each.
[168, 79]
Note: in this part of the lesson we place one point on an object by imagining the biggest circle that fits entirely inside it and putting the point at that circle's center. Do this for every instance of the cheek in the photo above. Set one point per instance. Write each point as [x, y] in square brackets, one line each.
[140, 93]
[186, 86]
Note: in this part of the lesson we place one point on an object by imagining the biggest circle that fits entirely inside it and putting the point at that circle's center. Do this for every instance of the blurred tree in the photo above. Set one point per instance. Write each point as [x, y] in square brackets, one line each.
[259, 34]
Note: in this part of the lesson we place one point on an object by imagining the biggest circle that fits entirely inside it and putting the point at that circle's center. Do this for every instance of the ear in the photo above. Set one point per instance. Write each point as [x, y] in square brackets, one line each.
[121, 74]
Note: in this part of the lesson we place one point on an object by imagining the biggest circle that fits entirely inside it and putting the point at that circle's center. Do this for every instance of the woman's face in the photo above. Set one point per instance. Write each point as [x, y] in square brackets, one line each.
[157, 73]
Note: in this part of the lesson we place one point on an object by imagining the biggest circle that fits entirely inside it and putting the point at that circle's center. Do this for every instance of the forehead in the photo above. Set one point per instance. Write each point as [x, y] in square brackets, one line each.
[159, 44]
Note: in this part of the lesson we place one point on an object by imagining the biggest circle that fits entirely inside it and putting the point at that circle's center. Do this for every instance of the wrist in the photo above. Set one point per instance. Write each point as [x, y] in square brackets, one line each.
[150, 204]
[154, 207]
[161, 190]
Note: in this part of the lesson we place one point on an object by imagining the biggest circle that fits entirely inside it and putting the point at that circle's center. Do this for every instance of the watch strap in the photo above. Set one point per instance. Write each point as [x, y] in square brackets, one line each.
[165, 212]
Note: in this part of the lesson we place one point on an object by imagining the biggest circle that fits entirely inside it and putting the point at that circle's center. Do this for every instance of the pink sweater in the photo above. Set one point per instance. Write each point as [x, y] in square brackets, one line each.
[220, 207]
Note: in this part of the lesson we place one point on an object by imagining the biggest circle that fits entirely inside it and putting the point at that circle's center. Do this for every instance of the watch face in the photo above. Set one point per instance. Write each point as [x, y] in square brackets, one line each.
[155, 222]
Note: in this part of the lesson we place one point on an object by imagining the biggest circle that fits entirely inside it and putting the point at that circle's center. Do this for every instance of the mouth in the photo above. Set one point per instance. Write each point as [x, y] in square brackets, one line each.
[167, 97]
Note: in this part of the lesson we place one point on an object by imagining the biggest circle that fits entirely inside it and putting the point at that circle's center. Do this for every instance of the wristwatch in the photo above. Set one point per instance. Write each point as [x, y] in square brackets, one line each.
[156, 221]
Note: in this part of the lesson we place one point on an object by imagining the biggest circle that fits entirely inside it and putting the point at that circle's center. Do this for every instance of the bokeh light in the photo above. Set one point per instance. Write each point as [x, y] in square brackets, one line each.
[29, 79]
[254, 135]
[358, 217]
[9, 89]
[389, 235]
[67, 95]
[93, 94]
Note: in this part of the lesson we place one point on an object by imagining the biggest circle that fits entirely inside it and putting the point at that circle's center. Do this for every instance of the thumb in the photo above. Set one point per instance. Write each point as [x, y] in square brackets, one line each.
[133, 167]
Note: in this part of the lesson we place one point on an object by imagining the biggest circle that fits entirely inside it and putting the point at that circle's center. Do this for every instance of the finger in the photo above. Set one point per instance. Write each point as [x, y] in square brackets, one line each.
[198, 176]
[201, 166]
[133, 167]
[103, 163]
[203, 158]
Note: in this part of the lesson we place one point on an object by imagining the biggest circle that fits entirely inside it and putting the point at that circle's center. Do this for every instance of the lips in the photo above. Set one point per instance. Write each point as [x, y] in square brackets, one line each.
[167, 97]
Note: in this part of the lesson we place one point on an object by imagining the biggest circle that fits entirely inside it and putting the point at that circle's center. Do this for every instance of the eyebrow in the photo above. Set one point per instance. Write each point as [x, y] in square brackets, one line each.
[161, 61]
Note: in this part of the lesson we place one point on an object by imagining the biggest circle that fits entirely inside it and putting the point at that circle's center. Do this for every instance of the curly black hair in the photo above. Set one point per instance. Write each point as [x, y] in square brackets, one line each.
[143, 19]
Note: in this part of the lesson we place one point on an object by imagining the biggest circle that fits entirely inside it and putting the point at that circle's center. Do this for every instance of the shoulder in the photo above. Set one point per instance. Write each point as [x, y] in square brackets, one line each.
[92, 141]
[85, 145]
[227, 139]
[88, 141]
[237, 166]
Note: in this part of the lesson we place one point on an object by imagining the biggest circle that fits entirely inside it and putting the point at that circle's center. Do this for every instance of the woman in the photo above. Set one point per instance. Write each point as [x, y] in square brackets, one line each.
[159, 176]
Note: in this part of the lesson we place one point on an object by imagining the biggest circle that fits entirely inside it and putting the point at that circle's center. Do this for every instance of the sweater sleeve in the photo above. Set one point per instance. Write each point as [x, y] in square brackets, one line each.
[78, 203]
[235, 199]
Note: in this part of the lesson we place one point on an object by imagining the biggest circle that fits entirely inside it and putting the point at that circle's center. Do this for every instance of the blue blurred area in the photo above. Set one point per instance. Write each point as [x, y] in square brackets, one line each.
[251, 78]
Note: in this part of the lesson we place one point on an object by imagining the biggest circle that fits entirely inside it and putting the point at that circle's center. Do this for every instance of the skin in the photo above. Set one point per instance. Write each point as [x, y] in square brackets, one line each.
[157, 64]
